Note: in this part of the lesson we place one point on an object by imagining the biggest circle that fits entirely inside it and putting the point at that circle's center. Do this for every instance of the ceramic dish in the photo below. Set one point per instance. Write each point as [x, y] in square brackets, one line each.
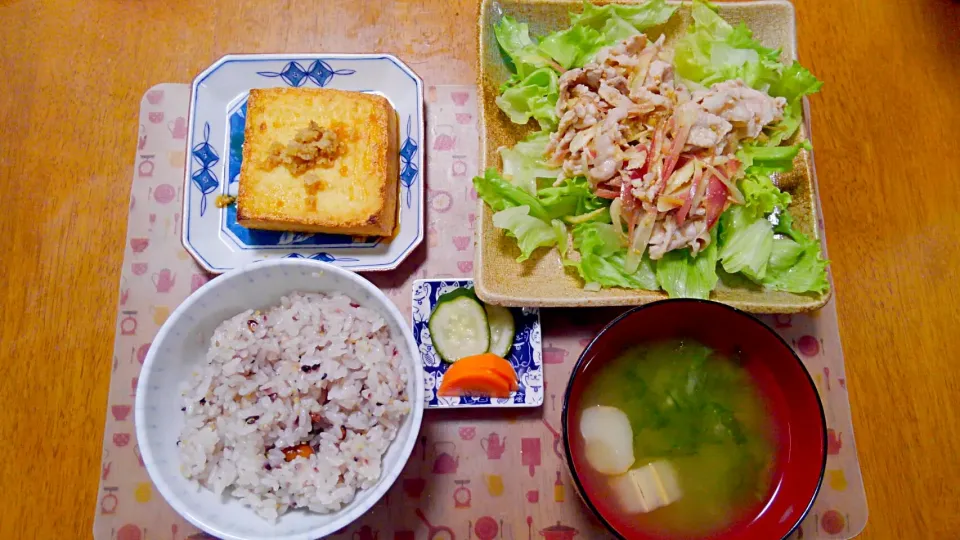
[526, 357]
[215, 140]
[182, 343]
[541, 280]
[784, 384]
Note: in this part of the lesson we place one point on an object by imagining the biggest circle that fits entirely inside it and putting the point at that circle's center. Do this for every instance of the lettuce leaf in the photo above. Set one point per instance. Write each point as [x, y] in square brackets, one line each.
[525, 162]
[746, 242]
[531, 233]
[616, 29]
[759, 159]
[784, 225]
[534, 96]
[795, 262]
[563, 237]
[601, 26]
[532, 91]
[572, 198]
[640, 16]
[572, 47]
[762, 197]
[796, 267]
[602, 259]
[795, 82]
[785, 253]
[779, 258]
[501, 195]
[514, 39]
[684, 275]
[784, 129]
[713, 51]
[746, 234]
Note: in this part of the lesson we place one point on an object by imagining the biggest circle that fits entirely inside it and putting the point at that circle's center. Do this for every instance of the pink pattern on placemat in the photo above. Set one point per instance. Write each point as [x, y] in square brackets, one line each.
[459, 480]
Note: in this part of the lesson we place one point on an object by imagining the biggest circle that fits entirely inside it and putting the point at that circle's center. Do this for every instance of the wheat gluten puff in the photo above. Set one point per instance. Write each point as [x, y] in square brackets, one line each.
[357, 195]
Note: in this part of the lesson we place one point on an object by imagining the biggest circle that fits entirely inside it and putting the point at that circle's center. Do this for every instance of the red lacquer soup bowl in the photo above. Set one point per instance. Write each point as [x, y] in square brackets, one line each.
[798, 431]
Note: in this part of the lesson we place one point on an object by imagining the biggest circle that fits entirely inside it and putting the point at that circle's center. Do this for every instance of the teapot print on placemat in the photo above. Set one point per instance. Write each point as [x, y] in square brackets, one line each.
[178, 128]
[493, 446]
[164, 280]
[445, 140]
[445, 462]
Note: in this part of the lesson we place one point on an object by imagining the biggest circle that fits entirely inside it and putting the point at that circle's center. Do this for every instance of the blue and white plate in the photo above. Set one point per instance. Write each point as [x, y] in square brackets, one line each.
[526, 356]
[215, 142]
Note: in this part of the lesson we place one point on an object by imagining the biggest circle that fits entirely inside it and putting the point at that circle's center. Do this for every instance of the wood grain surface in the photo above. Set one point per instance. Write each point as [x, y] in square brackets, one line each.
[885, 129]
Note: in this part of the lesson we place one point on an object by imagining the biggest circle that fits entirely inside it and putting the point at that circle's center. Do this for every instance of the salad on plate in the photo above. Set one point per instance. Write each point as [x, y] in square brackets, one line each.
[655, 166]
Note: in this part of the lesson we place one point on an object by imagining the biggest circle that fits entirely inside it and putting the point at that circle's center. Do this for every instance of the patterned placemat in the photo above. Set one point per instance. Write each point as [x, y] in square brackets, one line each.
[489, 474]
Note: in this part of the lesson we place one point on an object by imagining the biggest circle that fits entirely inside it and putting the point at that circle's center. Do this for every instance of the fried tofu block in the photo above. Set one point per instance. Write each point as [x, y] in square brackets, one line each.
[319, 160]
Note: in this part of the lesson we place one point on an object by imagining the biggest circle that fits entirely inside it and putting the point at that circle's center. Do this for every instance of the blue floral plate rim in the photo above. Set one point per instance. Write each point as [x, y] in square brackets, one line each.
[219, 92]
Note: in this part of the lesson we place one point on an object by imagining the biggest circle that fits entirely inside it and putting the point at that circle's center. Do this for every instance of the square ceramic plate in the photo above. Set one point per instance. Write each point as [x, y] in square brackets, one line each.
[542, 280]
[526, 357]
[218, 108]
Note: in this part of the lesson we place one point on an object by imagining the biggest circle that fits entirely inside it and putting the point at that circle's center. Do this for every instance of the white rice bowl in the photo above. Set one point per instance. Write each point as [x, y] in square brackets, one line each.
[250, 372]
[317, 373]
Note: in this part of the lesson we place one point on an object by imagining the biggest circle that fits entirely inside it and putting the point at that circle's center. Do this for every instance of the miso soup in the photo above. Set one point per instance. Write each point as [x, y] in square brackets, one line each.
[698, 417]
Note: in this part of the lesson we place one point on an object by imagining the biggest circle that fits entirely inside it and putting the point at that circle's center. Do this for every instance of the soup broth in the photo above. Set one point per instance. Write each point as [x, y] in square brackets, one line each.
[701, 413]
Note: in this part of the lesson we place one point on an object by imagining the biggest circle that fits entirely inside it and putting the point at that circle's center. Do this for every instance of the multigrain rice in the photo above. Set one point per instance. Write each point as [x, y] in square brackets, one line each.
[317, 380]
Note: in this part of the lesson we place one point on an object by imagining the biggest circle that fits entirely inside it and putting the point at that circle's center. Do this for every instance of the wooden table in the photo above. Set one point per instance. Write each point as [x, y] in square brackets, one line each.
[886, 130]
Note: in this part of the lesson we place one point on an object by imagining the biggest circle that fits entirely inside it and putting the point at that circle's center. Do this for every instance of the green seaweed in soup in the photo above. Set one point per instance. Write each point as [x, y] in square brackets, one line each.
[702, 413]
